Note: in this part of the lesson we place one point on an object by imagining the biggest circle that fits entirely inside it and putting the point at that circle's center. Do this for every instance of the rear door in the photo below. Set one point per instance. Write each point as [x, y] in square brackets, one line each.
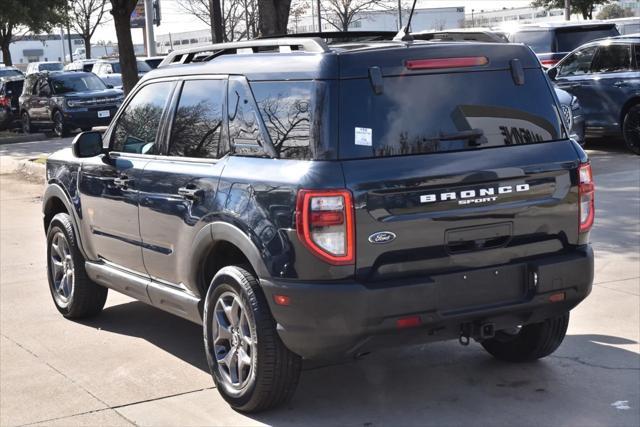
[455, 168]
[178, 187]
[575, 76]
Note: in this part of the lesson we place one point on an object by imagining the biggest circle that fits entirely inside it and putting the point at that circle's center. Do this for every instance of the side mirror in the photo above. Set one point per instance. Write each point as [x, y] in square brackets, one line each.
[552, 73]
[87, 144]
[109, 86]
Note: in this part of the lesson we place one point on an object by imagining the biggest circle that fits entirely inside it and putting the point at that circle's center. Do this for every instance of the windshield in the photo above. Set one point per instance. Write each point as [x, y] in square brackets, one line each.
[76, 83]
[538, 41]
[9, 73]
[446, 112]
[53, 66]
[570, 40]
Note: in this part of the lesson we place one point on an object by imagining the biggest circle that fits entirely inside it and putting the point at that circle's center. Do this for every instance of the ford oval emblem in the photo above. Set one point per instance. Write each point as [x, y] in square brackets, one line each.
[382, 237]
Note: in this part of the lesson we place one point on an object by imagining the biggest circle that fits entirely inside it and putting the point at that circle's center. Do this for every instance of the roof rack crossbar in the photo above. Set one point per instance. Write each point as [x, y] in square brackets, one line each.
[186, 56]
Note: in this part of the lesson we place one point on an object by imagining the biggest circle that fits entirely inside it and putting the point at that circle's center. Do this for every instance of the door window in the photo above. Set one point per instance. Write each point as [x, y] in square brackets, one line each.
[577, 63]
[137, 128]
[43, 88]
[244, 128]
[197, 126]
[612, 58]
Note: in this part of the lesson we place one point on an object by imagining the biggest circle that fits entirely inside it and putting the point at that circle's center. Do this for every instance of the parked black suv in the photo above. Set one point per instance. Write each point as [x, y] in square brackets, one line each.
[553, 41]
[10, 90]
[65, 101]
[306, 201]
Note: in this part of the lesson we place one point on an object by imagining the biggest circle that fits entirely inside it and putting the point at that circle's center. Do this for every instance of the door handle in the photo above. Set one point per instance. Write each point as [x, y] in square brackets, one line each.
[122, 181]
[190, 193]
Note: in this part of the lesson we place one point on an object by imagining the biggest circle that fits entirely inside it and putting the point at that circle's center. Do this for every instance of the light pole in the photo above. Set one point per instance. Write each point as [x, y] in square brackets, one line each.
[148, 28]
[567, 10]
[473, 22]
[399, 15]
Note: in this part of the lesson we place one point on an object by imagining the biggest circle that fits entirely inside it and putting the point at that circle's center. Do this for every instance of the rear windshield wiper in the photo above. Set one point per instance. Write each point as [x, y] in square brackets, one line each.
[473, 136]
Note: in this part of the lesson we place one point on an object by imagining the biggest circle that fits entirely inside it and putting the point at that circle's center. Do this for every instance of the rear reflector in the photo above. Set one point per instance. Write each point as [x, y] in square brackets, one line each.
[408, 322]
[436, 63]
[586, 190]
[324, 222]
[557, 297]
[281, 299]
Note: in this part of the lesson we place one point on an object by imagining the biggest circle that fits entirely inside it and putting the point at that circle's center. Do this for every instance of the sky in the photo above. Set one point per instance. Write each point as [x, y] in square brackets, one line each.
[175, 19]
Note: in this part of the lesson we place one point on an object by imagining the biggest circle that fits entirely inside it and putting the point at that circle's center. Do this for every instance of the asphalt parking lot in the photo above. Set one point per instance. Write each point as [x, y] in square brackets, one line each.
[137, 365]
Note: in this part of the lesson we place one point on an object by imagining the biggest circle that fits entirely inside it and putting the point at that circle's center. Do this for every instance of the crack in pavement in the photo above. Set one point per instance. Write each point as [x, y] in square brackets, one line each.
[66, 377]
[593, 365]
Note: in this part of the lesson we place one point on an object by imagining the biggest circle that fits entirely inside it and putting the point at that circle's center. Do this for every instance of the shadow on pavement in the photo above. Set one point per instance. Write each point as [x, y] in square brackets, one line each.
[415, 381]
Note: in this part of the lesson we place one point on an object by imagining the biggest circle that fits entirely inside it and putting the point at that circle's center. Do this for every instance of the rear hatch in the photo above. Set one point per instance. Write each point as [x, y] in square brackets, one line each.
[456, 158]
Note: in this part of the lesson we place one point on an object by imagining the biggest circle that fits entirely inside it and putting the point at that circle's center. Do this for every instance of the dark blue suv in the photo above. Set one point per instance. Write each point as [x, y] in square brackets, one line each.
[605, 76]
[300, 200]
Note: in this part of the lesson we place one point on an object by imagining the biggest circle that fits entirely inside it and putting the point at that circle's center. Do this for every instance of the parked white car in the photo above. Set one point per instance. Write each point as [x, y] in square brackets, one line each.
[37, 67]
[109, 71]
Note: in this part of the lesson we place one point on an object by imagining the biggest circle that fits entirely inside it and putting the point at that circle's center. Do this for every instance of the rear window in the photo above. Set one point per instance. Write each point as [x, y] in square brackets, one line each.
[53, 66]
[538, 41]
[12, 88]
[570, 40]
[9, 73]
[445, 112]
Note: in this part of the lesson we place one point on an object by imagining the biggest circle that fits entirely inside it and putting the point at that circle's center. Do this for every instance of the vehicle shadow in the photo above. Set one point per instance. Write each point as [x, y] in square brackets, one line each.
[439, 383]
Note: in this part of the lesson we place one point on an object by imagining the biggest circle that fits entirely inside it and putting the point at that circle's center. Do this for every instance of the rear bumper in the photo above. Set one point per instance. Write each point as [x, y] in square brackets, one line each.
[334, 320]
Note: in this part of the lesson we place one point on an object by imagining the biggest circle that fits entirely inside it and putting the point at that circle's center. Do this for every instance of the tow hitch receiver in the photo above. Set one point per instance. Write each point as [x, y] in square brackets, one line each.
[479, 332]
[487, 330]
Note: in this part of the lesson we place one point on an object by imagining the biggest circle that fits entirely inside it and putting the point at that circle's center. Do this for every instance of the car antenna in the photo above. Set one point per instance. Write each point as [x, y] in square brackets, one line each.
[404, 35]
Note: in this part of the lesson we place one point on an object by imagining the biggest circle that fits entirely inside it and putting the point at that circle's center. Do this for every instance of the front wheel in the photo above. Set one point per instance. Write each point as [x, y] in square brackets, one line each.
[631, 129]
[250, 365]
[27, 126]
[74, 293]
[60, 127]
[530, 342]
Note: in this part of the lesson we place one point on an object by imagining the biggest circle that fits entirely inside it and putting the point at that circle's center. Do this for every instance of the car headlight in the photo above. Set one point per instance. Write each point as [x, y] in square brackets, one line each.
[71, 103]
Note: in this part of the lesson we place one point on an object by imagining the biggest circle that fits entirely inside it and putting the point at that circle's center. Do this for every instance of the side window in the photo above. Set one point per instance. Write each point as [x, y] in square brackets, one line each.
[43, 88]
[197, 126]
[286, 111]
[612, 58]
[636, 48]
[137, 126]
[577, 63]
[244, 128]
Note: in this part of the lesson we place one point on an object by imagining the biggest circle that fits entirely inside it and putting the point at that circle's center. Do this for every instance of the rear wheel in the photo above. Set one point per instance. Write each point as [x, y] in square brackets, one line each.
[250, 365]
[530, 342]
[74, 294]
[631, 129]
[60, 127]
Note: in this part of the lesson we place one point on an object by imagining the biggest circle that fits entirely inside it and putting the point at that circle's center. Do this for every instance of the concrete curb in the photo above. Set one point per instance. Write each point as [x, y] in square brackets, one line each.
[25, 168]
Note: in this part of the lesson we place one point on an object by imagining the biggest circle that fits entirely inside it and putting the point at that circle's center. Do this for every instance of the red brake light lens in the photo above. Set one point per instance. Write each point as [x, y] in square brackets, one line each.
[586, 192]
[549, 62]
[436, 63]
[324, 222]
[5, 101]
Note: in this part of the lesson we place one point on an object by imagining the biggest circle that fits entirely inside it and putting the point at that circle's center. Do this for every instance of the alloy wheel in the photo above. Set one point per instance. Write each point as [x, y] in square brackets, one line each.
[62, 269]
[26, 123]
[58, 125]
[632, 130]
[234, 345]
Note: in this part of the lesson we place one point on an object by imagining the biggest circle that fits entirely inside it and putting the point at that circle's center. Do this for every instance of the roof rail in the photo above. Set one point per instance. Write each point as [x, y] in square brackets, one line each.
[186, 56]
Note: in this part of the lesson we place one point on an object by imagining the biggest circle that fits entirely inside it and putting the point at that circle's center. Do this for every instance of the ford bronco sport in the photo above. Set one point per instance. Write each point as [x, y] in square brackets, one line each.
[302, 201]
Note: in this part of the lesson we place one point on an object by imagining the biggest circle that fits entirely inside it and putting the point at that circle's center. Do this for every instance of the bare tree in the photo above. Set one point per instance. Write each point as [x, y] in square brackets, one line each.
[121, 11]
[273, 16]
[85, 16]
[238, 17]
[298, 10]
[341, 14]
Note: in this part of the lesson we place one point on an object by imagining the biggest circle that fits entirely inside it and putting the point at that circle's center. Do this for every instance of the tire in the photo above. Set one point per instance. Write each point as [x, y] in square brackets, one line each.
[60, 127]
[533, 341]
[27, 126]
[272, 375]
[631, 129]
[80, 297]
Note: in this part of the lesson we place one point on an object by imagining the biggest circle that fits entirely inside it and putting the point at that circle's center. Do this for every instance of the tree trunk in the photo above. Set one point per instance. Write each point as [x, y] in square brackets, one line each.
[87, 46]
[215, 11]
[6, 54]
[128, 65]
[273, 16]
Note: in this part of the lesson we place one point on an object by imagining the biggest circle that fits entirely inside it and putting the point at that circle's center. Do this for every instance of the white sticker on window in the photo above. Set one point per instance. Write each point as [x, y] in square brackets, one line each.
[363, 136]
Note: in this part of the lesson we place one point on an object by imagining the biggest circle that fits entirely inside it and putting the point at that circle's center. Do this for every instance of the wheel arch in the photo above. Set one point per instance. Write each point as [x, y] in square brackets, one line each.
[627, 106]
[219, 244]
[54, 201]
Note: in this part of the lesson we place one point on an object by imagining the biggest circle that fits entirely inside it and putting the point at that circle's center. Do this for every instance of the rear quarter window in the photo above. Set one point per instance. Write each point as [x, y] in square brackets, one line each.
[436, 113]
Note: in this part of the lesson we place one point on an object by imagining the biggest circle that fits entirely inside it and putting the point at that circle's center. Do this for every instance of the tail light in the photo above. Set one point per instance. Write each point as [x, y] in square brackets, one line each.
[5, 101]
[586, 191]
[324, 222]
[436, 63]
[548, 63]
